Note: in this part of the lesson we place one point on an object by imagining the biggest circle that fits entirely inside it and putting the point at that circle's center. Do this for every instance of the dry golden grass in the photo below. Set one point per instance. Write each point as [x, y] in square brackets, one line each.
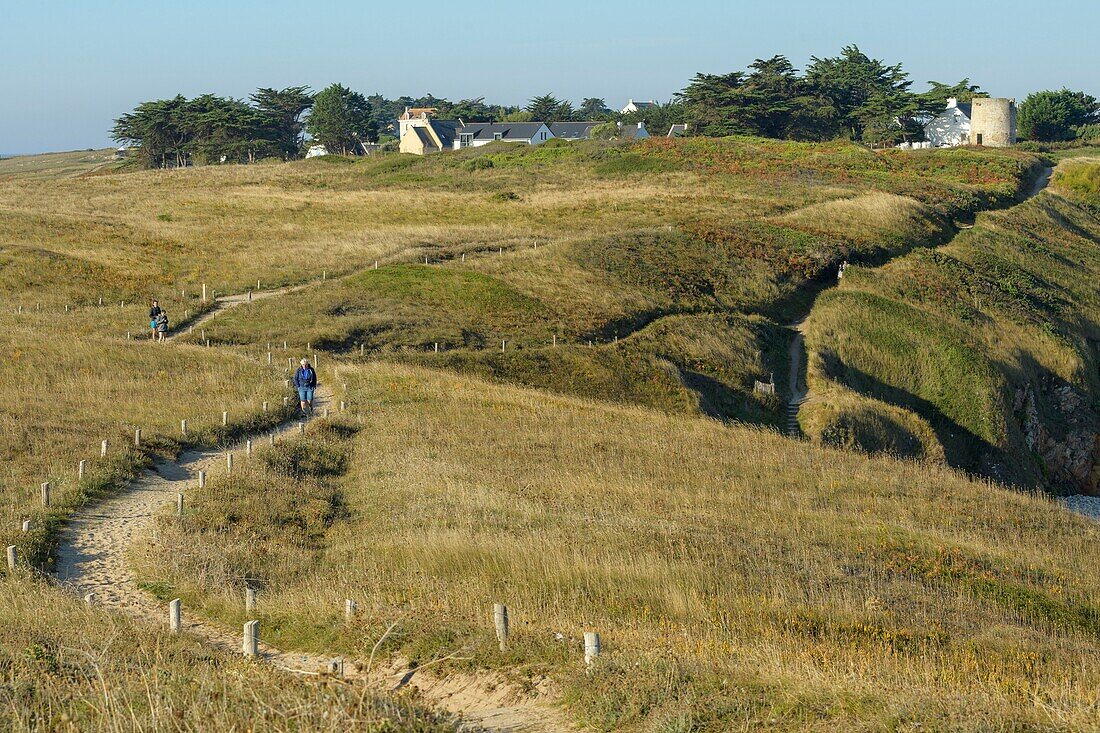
[67, 388]
[739, 579]
[65, 666]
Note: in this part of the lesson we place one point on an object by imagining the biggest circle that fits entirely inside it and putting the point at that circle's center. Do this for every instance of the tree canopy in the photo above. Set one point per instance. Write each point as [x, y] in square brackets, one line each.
[174, 132]
[341, 120]
[1050, 116]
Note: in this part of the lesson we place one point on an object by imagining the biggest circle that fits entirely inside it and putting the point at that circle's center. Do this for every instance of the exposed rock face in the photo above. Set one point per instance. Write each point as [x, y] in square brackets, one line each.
[1061, 429]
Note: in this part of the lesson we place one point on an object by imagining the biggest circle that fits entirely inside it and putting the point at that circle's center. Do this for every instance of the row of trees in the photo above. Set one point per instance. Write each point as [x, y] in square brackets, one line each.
[850, 95]
[272, 123]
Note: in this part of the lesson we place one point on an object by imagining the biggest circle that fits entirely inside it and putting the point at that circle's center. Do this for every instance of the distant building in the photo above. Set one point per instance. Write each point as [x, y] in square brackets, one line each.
[428, 136]
[993, 122]
[677, 131]
[633, 131]
[412, 115]
[316, 151]
[573, 130]
[950, 127]
[989, 121]
[632, 106]
[476, 134]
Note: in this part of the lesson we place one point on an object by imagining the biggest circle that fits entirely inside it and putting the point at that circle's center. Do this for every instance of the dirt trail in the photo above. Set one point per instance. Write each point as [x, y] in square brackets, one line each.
[798, 356]
[92, 562]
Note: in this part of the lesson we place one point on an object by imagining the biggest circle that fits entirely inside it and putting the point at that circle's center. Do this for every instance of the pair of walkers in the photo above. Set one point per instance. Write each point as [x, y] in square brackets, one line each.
[305, 381]
[158, 322]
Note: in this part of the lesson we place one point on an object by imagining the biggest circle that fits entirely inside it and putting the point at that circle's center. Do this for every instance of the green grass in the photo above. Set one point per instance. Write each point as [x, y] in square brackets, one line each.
[961, 336]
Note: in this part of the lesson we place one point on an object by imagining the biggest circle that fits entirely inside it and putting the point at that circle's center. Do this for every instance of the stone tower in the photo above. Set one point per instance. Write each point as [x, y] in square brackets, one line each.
[993, 122]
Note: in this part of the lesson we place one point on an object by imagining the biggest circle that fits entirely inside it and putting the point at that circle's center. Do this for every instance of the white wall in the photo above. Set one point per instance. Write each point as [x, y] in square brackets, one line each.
[948, 129]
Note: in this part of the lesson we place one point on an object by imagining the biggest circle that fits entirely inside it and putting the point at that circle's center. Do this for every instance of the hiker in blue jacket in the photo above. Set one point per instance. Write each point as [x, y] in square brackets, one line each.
[305, 381]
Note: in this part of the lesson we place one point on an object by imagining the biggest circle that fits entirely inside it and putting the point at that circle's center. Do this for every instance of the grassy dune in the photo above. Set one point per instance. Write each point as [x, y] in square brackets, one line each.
[728, 240]
[964, 337]
[739, 580]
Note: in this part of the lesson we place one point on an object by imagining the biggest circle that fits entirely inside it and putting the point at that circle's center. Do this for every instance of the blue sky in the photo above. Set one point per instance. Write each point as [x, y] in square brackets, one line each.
[68, 67]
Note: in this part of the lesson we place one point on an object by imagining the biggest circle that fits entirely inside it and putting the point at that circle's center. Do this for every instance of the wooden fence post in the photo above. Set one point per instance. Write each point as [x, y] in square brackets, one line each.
[265, 406]
[350, 608]
[228, 463]
[301, 428]
[179, 505]
[248, 449]
[26, 525]
[12, 557]
[362, 347]
[80, 469]
[343, 405]
[103, 449]
[137, 437]
[183, 428]
[500, 621]
[249, 599]
[202, 479]
[225, 417]
[174, 616]
[46, 493]
[204, 292]
[271, 437]
[251, 643]
[591, 646]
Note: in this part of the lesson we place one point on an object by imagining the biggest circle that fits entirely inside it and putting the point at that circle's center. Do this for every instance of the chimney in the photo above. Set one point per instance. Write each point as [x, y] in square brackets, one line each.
[952, 103]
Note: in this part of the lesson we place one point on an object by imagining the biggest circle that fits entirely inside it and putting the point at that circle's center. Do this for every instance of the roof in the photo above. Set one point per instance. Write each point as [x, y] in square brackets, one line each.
[677, 130]
[641, 105]
[572, 130]
[506, 130]
[446, 130]
[425, 139]
[630, 131]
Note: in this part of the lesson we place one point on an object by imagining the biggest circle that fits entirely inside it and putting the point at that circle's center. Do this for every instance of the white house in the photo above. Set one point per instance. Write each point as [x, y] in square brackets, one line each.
[950, 127]
[476, 134]
[632, 106]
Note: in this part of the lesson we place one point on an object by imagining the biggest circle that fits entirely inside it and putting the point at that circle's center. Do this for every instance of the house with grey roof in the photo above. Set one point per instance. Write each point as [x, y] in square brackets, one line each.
[573, 130]
[476, 134]
[632, 106]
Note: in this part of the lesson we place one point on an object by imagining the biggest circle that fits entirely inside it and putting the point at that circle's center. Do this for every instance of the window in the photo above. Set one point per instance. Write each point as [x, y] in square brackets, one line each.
[979, 138]
[498, 135]
[465, 139]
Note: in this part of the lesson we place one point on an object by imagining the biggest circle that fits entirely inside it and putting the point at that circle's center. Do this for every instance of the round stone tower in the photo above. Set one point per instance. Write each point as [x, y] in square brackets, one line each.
[993, 122]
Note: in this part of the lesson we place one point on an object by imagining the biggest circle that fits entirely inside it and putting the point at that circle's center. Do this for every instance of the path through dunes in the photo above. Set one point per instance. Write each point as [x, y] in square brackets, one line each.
[93, 563]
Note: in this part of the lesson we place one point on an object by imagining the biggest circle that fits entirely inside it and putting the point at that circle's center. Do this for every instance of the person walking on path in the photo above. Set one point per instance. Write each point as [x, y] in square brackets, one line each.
[305, 381]
[162, 327]
[154, 312]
